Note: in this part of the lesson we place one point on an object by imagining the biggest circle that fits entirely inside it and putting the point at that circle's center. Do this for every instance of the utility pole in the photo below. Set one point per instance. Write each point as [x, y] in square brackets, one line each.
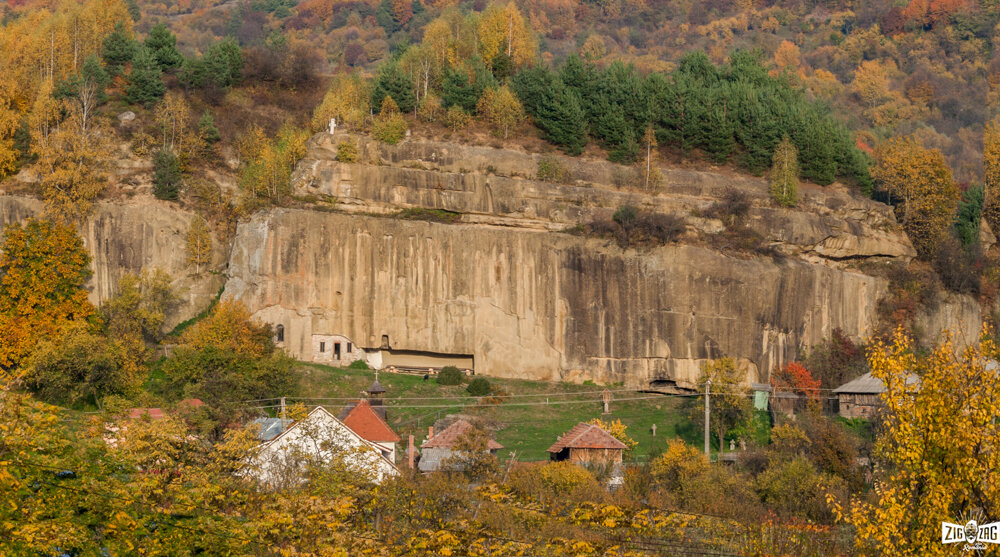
[708, 388]
[283, 417]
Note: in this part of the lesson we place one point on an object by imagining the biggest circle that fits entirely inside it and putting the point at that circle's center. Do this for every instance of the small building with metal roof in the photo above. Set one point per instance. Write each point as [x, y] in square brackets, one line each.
[859, 397]
[438, 448]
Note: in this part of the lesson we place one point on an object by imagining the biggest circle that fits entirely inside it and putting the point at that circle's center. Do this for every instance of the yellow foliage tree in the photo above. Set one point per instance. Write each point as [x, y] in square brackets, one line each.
[679, 462]
[43, 267]
[199, 244]
[230, 327]
[503, 31]
[921, 181]
[991, 173]
[74, 168]
[501, 109]
[936, 455]
[347, 100]
[787, 56]
[8, 125]
[617, 430]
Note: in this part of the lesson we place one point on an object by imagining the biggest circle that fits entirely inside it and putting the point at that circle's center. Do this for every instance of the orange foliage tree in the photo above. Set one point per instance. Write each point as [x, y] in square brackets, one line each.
[43, 267]
[796, 378]
[921, 182]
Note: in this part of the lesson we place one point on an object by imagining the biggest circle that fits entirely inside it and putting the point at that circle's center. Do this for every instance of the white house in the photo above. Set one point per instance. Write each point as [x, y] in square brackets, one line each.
[320, 439]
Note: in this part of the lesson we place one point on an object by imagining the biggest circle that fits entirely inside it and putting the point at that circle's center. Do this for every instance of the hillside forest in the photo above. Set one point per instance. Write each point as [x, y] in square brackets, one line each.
[217, 99]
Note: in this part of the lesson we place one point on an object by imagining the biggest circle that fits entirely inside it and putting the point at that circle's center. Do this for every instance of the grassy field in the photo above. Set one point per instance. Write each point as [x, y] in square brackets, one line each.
[528, 420]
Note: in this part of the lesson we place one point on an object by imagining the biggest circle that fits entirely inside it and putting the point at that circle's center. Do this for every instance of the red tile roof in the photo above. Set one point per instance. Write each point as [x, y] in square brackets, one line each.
[363, 420]
[154, 413]
[447, 438]
[586, 436]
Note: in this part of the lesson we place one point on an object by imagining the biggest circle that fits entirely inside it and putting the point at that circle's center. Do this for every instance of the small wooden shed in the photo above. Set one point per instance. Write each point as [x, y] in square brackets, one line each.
[859, 398]
[587, 443]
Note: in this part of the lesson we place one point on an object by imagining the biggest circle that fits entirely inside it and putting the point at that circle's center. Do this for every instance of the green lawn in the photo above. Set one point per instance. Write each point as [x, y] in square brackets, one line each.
[526, 424]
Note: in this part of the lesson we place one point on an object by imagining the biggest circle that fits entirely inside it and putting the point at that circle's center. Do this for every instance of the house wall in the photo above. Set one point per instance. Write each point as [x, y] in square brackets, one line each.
[329, 353]
[389, 450]
[595, 455]
[858, 405]
[321, 436]
[431, 458]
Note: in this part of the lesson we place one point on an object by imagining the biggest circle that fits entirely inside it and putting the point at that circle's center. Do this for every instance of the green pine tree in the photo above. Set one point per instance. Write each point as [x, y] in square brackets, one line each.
[555, 108]
[163, 45]
[145, 85]
[784, 178]
[118, 49]
[459, 89]
[206, 128]
[166, 175]
[392, 82]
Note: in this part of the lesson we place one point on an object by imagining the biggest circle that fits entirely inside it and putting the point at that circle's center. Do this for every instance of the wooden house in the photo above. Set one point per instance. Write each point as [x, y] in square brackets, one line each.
[587, 443]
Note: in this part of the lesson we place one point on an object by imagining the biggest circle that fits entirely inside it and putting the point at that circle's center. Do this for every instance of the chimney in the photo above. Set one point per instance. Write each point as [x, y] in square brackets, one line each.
[410, 450]
[430, 432]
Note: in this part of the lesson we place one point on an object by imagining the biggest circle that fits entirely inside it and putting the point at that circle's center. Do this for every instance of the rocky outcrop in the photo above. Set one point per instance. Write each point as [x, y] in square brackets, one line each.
[534, 304]
[131, 236]
[498, 187]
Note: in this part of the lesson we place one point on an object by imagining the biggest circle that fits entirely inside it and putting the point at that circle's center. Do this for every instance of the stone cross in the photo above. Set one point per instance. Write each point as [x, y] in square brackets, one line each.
[606, 395]
[333, 125]
[654, 429]
[732, 444]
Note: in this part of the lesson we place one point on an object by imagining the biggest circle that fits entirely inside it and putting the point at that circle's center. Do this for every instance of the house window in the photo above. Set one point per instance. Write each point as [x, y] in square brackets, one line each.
[350, 349]
[336, 351]
[385, 342]
[280, 331]
[322, 347]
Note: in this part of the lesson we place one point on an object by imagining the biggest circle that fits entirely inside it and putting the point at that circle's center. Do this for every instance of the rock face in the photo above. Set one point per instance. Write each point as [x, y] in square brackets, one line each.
[536, 304]
[498, 187]
[133, 235]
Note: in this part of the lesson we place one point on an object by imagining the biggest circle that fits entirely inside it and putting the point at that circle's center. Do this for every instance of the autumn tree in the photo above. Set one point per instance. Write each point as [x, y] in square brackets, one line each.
[347, 100]
[43, 267]
[991, 173]
[199, 245]
[787, 56]
[730, 405]
[794, 377]
[268, 162]
[73, 165]
[85, 89]
[935, 452]
[140, 307]
[784, 178]
[501, 109]
[506, 40]
[920, 182]
[618, 430]
[9, 122]
[389, 125]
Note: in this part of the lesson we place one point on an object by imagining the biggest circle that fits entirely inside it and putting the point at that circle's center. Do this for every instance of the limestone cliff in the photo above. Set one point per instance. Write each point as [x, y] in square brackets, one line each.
[536, 304]
[130, 236]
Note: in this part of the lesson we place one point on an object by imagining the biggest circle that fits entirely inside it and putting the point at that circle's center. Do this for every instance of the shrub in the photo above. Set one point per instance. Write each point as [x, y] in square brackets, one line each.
[551, 170]
[456, 118]
[430, 109]
[677, 464]
[166, 175]
[794, 488]
[731, 207]
[479, 387]
[389, 127]
[358, 364]
[347, 151]
[956, 265]
[661, 228]
[449, 375]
